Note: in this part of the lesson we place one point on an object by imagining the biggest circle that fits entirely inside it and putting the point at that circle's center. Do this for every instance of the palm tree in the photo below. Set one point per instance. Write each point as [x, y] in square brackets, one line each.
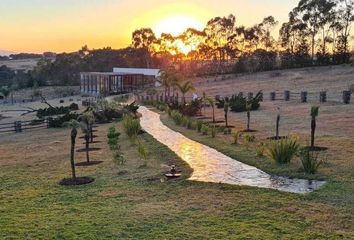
[248, 109]
[226, 111]
[184, 88]
[211, 102]
[165, 81]
[87, 119]
[73, 125]
[314, 114]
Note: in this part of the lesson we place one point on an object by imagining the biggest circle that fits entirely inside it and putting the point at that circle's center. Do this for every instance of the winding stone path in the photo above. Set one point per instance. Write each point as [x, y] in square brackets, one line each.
[210, 165]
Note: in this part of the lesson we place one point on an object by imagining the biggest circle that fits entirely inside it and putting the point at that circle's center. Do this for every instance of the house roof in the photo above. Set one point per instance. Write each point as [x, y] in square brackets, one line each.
[144, 71]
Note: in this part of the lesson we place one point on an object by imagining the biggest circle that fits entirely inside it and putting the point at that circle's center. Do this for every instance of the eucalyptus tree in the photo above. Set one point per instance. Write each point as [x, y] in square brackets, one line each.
[315, 14]
[143, 39]
[345, 17]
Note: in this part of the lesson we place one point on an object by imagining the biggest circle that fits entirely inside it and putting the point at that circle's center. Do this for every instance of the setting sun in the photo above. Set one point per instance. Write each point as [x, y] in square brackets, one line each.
[177, 24]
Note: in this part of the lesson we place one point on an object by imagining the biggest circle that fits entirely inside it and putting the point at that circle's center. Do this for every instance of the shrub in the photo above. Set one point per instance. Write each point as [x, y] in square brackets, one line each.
[185, 121]
[199, 126]
[112, 133]
[282, 151]
[190, 124]
[177, 117]
[131, 126]
[236, 135]
[310, 160]
[260, 150]
[213, 131]
[205, 130]
[51, 111]
[118, 157]
[74, 107]
[142, 150]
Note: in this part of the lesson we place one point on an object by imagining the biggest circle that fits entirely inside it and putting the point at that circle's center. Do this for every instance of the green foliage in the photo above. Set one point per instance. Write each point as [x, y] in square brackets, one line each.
[133, 108]
[238, 103]
[314, 111]
[131, 126]
[310, 160]
[142, 150]
[59, 121]
[121, 99]
[199, 126]
[113, 137]
[190, 123]
[282, 151]
[51, 111]
[177, 117]
[260, 149]
[205, 129]
[213, 131]
[236, 135]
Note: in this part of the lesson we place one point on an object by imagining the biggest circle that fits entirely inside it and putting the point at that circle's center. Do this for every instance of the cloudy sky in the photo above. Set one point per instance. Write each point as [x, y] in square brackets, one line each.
[66, 25]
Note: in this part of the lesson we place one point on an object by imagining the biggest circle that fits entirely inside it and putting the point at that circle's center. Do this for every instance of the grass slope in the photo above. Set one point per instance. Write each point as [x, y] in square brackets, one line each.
[130, 202]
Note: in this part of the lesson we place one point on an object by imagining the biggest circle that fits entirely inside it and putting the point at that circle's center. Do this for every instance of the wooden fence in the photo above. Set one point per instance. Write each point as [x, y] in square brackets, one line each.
[20, 126]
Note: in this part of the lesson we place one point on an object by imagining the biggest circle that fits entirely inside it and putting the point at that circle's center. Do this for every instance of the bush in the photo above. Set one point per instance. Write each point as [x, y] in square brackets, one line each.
[260, 150]
[131, 126]
[185, 121]
[142, 150]
[74, 107]
[236, 135]
[199, 126]
[213, 131]
[282, 151]
[51, 111]
[238, 103]
[177, 117]
[310, 160]
[190, 124]
[205, 130]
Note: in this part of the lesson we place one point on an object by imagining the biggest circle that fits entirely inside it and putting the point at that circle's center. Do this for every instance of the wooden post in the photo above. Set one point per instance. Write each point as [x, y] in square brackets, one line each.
[287, 95]
[18, 126]
[303, 97]
[272, 96]
[323, 97]
[346, 97]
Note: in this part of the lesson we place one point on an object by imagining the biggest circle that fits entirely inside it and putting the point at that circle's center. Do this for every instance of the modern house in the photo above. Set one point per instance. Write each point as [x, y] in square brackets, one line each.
[121, 80]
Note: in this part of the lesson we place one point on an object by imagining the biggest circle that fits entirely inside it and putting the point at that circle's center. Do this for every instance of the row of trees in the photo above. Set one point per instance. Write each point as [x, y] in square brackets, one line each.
[317, 32]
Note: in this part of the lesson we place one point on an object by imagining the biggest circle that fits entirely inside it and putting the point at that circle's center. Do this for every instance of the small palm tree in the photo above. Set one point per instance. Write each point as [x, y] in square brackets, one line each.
[314, 114]
[248, 109]
[184, 88]
[87, 119]
[226, 111]
[73, 125]
[212, 104]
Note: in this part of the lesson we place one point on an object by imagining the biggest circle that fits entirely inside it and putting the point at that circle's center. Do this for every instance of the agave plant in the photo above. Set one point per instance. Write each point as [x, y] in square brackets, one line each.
[282, 151]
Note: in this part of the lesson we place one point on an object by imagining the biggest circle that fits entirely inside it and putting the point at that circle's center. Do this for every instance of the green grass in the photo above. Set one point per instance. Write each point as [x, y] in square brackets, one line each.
[131, 202]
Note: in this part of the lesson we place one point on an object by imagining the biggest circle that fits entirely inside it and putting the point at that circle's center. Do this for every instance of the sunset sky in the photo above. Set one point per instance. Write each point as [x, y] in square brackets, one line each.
[66, 25]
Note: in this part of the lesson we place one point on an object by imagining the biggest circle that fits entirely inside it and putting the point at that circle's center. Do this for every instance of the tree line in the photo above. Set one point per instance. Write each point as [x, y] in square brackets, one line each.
[318, 32]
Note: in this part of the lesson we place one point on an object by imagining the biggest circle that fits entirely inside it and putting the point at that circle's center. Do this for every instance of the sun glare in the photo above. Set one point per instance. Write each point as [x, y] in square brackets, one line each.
[177, 24]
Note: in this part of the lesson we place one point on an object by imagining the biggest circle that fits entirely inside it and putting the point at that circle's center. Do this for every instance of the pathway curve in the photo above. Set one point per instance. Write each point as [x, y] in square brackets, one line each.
[210, 165]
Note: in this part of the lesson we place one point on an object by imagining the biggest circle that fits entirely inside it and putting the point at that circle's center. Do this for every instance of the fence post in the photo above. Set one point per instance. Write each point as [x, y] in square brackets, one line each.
[346, 97]
[272, 96]
[323, 97]
[303, 97]
[18, 126]
[287, 95]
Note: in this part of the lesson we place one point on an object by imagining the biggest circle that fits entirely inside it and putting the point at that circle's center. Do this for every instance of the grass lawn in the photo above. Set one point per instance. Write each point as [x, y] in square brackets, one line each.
[131, 202]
